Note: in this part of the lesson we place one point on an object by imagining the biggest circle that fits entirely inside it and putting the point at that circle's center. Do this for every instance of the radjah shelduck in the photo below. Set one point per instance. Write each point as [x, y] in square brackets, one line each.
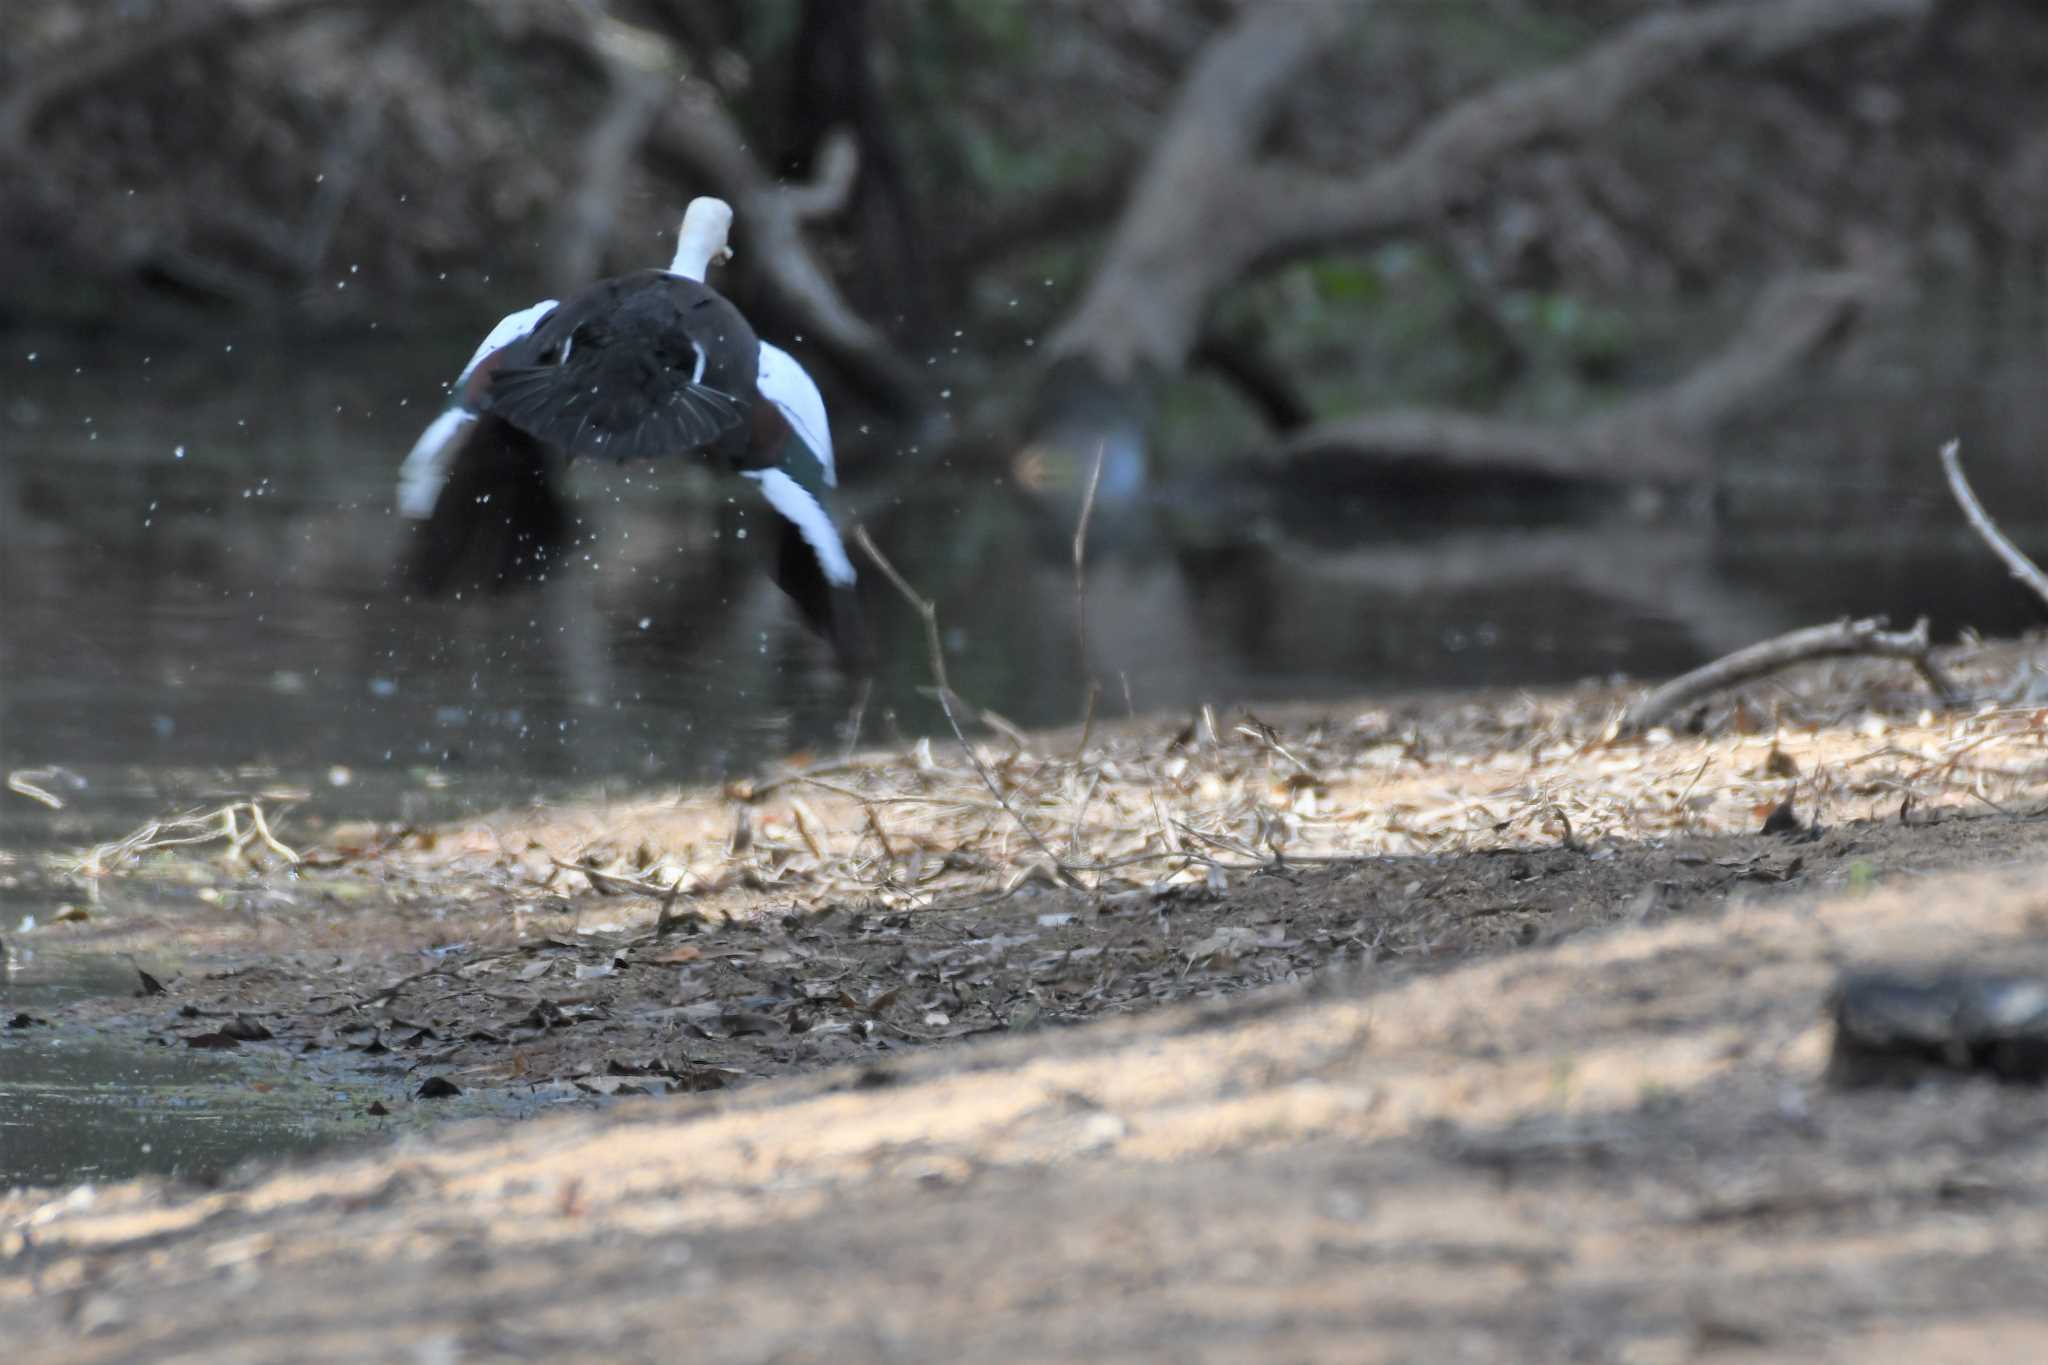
[652, 365]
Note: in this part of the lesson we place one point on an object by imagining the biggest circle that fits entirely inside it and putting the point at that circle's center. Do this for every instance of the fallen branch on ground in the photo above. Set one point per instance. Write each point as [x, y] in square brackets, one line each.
[928, 611]
[2014, 558]
[1837, 640]
[209, 827]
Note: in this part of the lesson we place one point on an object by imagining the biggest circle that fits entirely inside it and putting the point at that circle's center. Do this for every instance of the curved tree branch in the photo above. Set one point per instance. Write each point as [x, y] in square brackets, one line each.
[2012, 556]
[1448, 159]
[1165, 259]
[1206, 210]
[697, 132]
[608, 154]
[1659, 436]
[1840, 639]
[695, 135]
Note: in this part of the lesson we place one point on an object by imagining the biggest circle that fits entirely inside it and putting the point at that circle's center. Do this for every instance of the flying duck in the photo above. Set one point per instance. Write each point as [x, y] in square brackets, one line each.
[649, 365]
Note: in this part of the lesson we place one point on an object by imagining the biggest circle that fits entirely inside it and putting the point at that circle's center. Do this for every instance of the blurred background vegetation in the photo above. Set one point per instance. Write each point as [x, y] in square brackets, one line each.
[324, 164]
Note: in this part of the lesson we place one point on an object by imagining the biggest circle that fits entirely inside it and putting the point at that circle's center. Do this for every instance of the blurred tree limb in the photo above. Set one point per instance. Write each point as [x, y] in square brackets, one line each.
[1208, 209]
[91, 62]
[1659, 436]
[693, 135]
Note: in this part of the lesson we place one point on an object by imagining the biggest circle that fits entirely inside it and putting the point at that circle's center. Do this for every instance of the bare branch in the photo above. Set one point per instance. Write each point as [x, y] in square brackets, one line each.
[1447, 160]
[1206, 210]
[2014, 559]
[928, 611]
[1575, 451]
[697, 132]
[1187, 193]
[1838, 640]
[608, 155]
[1655, 437]
[1790, 321]
[1081, 590]
[831, 182]
[1256, 377]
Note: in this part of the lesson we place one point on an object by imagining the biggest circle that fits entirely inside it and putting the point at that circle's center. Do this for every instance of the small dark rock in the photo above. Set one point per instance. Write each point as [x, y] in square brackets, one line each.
[245, 1029]
[1783, 819]
[437, 1088]
[1895, 1028]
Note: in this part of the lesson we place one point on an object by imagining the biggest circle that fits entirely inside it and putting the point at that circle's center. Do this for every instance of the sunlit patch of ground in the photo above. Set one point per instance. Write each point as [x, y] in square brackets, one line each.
[1621, 1146]
[837, 912]
[1539, 1071]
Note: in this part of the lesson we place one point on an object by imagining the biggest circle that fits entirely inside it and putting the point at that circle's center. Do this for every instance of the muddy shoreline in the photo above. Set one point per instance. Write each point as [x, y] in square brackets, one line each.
[1444, 946]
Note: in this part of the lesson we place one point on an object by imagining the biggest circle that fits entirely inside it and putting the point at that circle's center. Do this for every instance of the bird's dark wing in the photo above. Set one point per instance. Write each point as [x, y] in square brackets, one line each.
[499, 523]
[577, 409]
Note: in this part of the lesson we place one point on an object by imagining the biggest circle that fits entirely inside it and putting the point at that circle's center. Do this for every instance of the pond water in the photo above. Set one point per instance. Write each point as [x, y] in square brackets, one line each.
[198, 600]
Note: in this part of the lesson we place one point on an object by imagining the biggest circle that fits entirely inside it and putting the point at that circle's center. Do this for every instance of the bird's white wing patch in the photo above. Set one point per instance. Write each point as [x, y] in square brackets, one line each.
[508, 330]
[795, 502]
[425, 470]
[783, 382]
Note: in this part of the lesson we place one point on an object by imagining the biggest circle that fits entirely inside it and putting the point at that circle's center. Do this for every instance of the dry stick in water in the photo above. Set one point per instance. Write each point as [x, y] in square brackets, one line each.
[1094, 688]
[1839, 639]
[2015, 560]
[929, 611]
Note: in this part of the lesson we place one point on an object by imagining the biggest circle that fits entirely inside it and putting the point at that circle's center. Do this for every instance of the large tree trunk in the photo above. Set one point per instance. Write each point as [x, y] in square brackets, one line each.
[833, 92]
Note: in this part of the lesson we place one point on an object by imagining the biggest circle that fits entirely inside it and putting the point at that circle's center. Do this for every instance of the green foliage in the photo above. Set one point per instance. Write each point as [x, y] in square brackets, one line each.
[1402, 325]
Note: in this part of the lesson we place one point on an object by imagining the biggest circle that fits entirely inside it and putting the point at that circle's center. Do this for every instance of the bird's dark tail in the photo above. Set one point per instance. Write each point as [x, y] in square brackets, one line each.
[832, 611]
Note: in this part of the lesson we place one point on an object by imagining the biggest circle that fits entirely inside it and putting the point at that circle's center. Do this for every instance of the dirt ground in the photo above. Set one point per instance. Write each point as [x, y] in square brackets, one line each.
[1448, 1029]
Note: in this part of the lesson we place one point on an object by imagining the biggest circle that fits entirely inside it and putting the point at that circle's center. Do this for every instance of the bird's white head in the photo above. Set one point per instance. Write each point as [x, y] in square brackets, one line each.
[702, 243]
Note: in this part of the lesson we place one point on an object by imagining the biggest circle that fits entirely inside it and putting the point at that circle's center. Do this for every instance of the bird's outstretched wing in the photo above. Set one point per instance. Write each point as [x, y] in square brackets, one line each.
[425, 471]
[784, 383]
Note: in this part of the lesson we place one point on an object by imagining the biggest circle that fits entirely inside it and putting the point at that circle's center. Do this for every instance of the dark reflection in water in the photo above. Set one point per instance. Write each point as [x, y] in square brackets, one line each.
[198, 579]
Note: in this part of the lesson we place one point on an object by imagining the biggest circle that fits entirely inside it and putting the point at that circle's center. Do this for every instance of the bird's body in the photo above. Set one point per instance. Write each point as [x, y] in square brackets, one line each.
[639, 367]
[656, 364]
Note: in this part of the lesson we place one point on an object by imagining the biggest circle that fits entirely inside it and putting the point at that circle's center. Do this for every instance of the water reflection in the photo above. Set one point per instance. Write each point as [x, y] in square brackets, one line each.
[201, 575]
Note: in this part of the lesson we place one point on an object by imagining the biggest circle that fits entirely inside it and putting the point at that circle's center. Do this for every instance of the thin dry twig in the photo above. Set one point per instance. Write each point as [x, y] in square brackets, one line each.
[1835, 640]
[2014, 558]
[929, 611]
[218, 825]
[1094, 688]
[24, 782]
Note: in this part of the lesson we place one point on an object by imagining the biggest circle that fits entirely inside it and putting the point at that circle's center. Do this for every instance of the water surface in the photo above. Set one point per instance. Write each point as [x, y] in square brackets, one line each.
[198, 601]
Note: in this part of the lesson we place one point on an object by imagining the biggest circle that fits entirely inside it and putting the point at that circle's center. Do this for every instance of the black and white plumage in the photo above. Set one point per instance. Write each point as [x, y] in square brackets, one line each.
[651, 365]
